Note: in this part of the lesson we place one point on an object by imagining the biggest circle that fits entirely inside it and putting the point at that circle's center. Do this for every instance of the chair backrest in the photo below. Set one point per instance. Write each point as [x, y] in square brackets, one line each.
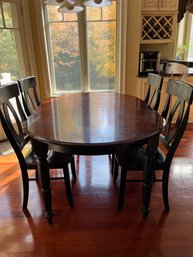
[175, 67]
[29, 94]
[152, 97]
[11, 116]
[176, 112]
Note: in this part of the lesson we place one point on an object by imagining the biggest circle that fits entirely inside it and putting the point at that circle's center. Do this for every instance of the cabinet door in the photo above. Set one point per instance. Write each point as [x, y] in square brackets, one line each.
[159, 5]
[149, 4]
[190, 80]
[169, 5]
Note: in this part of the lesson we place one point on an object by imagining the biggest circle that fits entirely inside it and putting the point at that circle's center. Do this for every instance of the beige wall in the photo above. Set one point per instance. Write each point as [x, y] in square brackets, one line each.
[133, 44]
[39, 48]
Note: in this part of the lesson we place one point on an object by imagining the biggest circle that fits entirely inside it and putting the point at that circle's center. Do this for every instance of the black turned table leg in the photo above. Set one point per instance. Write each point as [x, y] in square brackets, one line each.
[41, 150]
[149, 168]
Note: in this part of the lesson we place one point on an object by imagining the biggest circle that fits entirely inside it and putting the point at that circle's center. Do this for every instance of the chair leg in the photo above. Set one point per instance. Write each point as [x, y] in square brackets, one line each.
[68, 186]
[153, 177]
[73, 168]
[112, 157]
[25, 181]
[122, 187]
[115, 169]
[36, 175]
[165, 180]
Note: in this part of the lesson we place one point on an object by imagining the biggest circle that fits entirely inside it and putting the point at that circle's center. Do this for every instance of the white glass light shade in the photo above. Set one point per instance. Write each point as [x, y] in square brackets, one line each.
[70, 6]
[97, 3]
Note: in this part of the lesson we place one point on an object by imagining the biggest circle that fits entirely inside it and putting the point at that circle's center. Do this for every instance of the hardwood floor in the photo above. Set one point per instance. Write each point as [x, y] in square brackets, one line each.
[94, 227]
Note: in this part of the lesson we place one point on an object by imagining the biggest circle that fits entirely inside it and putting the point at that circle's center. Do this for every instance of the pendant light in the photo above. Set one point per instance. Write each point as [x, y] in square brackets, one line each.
[75, 6]
[97, 3]
[70, 6]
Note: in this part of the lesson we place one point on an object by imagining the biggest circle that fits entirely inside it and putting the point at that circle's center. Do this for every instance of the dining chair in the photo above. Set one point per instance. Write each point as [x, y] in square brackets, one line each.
[31, 101]
[176, 114]
[11, 116]
[29, 95]
[153, 92]
[152, 99]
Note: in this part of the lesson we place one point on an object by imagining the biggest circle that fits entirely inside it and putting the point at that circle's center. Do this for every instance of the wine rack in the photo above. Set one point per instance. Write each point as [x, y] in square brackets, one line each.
[157, 28]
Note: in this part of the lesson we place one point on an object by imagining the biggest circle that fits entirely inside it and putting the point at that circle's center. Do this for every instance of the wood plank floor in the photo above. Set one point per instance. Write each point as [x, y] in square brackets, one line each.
[94, 227]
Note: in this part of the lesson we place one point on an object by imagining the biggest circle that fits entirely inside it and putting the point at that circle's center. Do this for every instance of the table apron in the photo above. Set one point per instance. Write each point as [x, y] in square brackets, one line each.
[96, 149]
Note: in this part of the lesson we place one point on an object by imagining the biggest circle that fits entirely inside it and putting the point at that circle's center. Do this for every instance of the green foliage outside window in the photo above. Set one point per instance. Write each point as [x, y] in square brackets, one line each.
[101, 48]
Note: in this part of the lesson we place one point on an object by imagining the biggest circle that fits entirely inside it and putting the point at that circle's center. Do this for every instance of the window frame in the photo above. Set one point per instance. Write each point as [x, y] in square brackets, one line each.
[23, 42]
[24, 47]
[84, 69]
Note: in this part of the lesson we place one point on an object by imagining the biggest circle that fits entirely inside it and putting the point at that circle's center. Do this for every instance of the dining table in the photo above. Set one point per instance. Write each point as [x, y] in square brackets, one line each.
[93, 123]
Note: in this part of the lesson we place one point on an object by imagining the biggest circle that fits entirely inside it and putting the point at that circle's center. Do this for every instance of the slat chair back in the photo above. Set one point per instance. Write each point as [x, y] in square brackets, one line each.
[12, 116]
[152, 99]
[153, 93]
[176, 113]
[30, 99]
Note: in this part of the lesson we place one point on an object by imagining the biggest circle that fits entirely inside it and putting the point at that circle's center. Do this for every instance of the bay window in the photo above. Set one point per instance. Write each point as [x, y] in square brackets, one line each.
[82, 48]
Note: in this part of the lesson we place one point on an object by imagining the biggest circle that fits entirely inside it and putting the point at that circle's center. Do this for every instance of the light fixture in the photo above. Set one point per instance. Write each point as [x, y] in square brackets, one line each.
[75, 6]
[97, 3]
[70, 6]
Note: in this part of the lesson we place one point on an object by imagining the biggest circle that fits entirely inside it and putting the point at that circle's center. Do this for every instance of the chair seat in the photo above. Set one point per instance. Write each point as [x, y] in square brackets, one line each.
[54, 159]
[134, 159]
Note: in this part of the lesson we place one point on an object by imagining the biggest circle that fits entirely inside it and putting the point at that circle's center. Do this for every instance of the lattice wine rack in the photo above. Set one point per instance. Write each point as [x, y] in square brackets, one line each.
[157, 27]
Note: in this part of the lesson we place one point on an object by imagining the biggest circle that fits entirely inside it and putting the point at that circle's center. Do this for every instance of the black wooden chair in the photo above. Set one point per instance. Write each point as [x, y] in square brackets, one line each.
[31, 101]
[152, 99]
[11, 116]
[28, 89]
[176, 112]
[154, 86]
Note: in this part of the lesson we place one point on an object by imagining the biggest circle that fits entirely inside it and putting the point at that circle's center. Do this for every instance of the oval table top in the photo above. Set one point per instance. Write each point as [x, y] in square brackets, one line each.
[93, 119]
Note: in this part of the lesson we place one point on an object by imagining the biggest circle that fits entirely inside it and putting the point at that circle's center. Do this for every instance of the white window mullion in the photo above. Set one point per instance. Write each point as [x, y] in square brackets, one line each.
[83, 52]
[122, 15]
[50, 54]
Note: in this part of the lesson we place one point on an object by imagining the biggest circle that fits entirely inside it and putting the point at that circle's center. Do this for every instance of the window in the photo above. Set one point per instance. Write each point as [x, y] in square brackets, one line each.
[11, 61]
[190, 43]
[14, 61]
[9, 30]
[82, 49]
[185, 38]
